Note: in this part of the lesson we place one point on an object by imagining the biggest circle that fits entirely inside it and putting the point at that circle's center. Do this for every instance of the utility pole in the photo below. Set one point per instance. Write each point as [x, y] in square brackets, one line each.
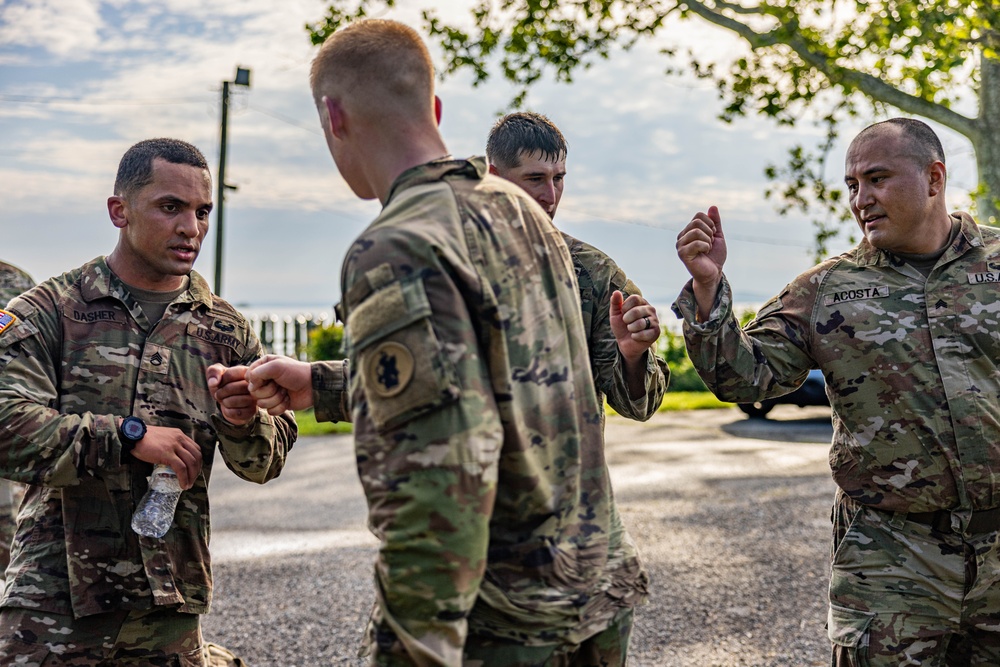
[242, 79]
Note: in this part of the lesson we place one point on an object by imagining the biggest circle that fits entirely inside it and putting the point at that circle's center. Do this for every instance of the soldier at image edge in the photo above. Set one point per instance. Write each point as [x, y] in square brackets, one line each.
[477, 431]
[904, 327]
[135, 337]
[13, 282]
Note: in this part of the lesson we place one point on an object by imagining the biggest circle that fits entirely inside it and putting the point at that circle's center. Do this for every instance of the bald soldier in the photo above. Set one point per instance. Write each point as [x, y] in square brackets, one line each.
[13, 281]
[477, 430]
[905, 328]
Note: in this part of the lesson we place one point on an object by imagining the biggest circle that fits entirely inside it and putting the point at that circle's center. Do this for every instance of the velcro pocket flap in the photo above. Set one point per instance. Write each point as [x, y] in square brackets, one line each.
[386, 311]
[847, 627]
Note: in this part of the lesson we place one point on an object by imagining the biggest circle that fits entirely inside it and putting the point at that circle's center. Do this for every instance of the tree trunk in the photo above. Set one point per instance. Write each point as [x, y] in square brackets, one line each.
[987, 144]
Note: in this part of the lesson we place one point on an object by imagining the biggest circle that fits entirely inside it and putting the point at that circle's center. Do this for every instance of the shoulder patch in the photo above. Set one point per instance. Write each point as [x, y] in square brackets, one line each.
[389, 368]
[7, 319]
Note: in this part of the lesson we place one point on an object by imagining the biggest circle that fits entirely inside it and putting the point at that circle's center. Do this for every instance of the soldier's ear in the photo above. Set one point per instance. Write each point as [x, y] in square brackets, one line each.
[336, 118]
[118, 210]
[937, 175]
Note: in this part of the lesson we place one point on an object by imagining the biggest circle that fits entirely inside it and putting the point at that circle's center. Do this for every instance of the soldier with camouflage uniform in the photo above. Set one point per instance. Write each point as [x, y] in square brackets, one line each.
[527, 148]
[135, 336]
[13, 281]
[905, 329]
[476, 430]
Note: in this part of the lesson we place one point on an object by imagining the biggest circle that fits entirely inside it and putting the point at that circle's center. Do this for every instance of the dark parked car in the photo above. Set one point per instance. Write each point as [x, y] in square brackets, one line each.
[812, 392]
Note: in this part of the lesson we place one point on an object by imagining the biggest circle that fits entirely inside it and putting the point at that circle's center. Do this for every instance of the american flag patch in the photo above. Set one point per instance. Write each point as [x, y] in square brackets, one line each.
[6, 319]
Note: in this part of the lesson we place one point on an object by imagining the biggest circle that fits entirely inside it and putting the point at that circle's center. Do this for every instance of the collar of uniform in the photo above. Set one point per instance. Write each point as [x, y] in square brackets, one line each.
[438, 170]
[98, 281]
[968, 237]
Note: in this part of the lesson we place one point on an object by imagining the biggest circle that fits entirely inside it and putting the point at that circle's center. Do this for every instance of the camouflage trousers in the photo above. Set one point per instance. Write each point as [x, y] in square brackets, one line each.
[903, 593]
[605, 649]
[159, 637]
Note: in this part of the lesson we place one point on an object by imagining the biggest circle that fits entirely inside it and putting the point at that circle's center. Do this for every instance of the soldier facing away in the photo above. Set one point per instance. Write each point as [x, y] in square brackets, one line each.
[905, 328]
[477, 431]
[133, 338]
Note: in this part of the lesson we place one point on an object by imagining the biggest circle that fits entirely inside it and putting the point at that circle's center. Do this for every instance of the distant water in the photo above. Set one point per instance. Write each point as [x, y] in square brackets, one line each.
[258, 311]
[323, 313]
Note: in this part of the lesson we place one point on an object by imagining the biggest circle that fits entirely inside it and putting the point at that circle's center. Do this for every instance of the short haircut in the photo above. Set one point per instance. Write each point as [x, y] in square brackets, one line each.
[524, 133]
[922, 139]
[381, 65]
[135, 171]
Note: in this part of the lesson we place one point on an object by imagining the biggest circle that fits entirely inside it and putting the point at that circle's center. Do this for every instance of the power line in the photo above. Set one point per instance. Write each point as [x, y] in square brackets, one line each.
[285, 119]
[735, 237]
[52, 101]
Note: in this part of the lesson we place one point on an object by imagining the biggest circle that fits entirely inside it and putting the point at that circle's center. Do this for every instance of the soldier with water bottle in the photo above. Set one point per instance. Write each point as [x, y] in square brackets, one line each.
[125, 363]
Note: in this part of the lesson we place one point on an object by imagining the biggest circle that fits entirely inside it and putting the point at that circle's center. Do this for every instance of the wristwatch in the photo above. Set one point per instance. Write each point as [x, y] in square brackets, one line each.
[131, 431]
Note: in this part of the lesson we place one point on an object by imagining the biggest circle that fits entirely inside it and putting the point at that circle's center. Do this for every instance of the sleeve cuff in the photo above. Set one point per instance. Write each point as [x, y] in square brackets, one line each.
[331, 400]
[686, 308]
[255, 426]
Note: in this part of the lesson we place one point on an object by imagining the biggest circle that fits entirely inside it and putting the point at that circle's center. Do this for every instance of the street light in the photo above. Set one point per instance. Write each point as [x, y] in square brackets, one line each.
[242, 79]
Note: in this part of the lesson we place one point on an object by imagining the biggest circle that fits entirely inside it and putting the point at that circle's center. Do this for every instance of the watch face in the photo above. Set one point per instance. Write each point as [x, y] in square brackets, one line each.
[133, 428]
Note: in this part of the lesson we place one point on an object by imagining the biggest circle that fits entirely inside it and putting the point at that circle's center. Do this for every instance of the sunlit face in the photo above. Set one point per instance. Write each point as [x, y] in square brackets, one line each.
[540, 178]
[162, 226]
[890, 193]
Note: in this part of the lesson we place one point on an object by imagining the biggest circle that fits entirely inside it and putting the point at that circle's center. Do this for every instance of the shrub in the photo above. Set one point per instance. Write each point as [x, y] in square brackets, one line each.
[683, 376]
[325, 343]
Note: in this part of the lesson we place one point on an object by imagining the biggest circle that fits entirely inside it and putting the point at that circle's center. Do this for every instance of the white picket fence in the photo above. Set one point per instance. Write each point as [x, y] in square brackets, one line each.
[287, 334]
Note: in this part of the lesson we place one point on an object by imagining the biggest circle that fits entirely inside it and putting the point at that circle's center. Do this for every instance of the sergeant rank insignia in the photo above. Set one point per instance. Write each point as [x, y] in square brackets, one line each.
[6, 319]
[389, 369]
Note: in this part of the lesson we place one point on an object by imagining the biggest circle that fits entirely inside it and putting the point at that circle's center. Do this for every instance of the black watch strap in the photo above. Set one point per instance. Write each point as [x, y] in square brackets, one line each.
[131, 431]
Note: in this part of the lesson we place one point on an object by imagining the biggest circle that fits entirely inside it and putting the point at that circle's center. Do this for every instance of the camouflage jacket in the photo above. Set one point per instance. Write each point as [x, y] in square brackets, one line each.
[910, 367]
[13, 281]
[478, 436]
[77, 356]
[598, 277]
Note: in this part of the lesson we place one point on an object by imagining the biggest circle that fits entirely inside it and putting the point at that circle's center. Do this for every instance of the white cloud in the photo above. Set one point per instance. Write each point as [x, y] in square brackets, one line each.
[62, 27]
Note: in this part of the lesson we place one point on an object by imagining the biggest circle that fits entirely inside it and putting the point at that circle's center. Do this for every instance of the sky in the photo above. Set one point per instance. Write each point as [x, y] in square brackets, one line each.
[82, 80]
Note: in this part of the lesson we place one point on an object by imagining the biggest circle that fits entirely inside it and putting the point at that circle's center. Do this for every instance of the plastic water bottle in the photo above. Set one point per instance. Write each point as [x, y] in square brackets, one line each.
[156, 509]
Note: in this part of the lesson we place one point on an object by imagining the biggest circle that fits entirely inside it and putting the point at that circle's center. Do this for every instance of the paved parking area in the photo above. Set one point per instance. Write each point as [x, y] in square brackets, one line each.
[731, 516]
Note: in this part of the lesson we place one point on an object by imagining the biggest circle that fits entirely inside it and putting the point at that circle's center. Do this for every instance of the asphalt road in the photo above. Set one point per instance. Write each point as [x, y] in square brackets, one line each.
[731, 516]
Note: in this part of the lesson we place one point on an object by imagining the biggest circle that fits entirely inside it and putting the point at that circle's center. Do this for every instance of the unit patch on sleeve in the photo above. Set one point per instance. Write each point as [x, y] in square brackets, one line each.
[390, 369]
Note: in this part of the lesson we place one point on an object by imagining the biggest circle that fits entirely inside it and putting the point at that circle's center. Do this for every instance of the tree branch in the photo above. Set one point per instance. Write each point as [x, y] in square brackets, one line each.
[848, 78]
